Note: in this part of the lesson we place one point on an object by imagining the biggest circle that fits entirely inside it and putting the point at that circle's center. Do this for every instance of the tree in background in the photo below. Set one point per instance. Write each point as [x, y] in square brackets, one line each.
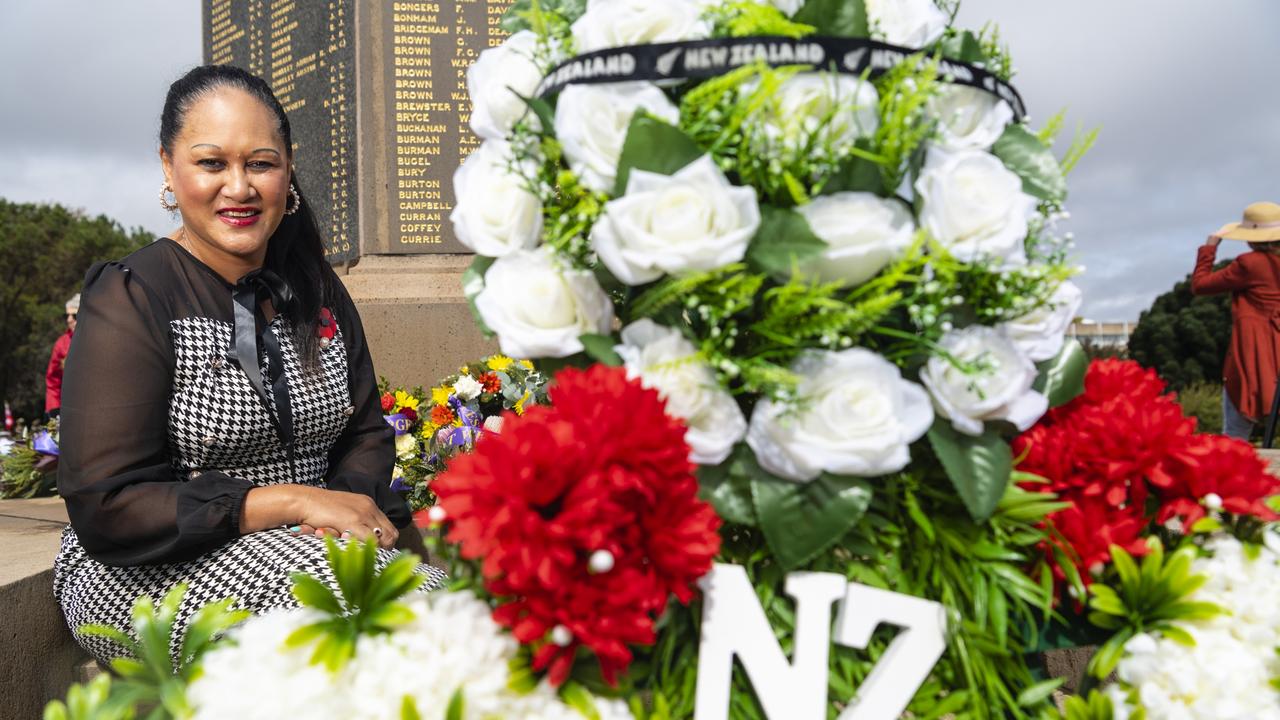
[44, 253]
[1184, 337]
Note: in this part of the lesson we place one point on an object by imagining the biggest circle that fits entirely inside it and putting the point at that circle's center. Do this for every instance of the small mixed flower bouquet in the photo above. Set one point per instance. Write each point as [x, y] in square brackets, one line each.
[433, 426]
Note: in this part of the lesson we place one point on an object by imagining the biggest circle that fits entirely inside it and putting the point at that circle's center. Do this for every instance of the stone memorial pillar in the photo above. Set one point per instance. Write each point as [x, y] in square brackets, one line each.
[376, 94]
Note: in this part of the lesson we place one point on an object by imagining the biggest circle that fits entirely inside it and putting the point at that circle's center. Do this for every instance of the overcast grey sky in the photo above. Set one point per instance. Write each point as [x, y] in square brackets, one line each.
[1184, 92]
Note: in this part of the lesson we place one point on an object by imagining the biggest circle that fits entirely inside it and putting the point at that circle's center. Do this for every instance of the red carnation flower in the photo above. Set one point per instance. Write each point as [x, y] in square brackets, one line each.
[490, 382]
[442, 415]
[410, 414]
[585, 518]
[1220, 466]
[388, 402]
[1088, 529]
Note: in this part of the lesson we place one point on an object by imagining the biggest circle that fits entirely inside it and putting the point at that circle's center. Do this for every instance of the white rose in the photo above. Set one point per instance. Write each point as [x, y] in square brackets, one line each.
[863, 233]
[1040, 333]
[614, 23]
[860, 417]
[969, 118]
[839, 108]
[665, 361]
[495, 213]
[494, 80]
[592, 122]
[467, 388]
[538, 308]
[998, 388]
[406, 446]
[692, 220]
[975, 206]
[909, 23]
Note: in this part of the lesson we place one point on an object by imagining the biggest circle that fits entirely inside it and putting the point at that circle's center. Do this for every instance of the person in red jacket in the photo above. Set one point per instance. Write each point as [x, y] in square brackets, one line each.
[58, 358]
[1253, 279]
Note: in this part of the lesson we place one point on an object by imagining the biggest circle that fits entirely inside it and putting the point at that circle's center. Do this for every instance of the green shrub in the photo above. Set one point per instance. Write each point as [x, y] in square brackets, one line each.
[1203, 401]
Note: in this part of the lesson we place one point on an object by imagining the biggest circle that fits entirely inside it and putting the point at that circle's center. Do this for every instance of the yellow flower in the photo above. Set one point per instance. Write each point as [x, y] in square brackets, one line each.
[440, 395]
[465, 370]
[428, 429]
[405, 400]
[519, 407]
[500, 362]
[526, 364]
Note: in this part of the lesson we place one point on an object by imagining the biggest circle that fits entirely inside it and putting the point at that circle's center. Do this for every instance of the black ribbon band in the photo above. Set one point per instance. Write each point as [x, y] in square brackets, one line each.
[715, 57]
[247, 295]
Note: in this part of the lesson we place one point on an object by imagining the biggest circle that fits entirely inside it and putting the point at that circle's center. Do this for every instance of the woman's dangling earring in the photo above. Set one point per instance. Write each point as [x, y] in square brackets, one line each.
[164, 201]
[297, 200]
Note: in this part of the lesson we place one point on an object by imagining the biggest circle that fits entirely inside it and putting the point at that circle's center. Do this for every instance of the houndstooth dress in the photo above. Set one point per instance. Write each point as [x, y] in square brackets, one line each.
[163, 435]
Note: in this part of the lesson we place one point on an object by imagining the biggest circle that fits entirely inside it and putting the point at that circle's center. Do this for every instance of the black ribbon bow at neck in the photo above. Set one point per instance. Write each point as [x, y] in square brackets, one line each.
[247, 296]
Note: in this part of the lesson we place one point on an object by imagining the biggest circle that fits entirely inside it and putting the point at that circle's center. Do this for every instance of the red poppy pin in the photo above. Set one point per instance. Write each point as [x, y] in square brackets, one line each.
[326, 328]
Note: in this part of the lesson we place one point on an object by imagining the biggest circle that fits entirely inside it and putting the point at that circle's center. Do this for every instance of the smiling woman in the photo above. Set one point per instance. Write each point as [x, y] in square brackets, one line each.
[220, 412]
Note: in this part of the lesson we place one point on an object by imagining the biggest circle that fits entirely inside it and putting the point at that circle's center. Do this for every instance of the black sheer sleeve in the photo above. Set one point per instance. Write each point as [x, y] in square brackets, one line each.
[364, 455]
[125, 502]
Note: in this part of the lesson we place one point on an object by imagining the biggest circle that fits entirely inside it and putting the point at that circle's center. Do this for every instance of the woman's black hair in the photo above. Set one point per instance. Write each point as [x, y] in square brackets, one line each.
[295, 250]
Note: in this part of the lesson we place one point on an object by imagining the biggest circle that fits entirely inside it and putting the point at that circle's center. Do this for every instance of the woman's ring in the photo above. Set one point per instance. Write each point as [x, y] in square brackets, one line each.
[377, 531]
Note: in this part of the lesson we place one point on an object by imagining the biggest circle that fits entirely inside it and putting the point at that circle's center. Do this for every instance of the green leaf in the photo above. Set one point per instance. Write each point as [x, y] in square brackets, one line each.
[577, 697]
[544, 111]
[472, 284]
[457, 706]
[963, 46]
[1061, 378]
[783, 239]
[979, 467]
[655, 146]
[521, 16]
[842, 18]
[727, 486]
[1022, 152]
[409, 709]
[855, 174]
[802, 519]
[315, 594]
[600, 349]
[1038, 693]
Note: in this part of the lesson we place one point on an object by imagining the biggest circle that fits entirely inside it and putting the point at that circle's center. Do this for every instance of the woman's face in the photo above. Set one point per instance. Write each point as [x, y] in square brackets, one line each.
[230, 174]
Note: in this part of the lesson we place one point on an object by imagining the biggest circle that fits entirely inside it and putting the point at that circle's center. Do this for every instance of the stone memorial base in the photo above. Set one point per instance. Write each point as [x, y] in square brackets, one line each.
[418, 324]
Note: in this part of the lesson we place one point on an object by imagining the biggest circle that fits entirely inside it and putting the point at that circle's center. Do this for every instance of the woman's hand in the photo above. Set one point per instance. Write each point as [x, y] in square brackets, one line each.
[348, 515]
[1213, 240]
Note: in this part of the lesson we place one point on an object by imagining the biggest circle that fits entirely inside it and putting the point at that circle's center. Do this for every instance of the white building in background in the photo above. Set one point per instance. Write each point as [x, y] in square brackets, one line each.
[1102, 334]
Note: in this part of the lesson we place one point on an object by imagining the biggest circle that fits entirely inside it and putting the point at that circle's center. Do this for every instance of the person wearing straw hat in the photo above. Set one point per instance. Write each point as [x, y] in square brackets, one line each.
[57, 359]
[1253, 279]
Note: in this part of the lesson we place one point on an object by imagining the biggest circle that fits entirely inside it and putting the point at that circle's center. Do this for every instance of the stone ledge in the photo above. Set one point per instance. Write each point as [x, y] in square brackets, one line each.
[38, 656]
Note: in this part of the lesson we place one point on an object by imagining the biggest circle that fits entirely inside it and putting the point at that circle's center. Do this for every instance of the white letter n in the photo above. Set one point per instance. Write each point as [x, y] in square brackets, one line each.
[733, 623]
